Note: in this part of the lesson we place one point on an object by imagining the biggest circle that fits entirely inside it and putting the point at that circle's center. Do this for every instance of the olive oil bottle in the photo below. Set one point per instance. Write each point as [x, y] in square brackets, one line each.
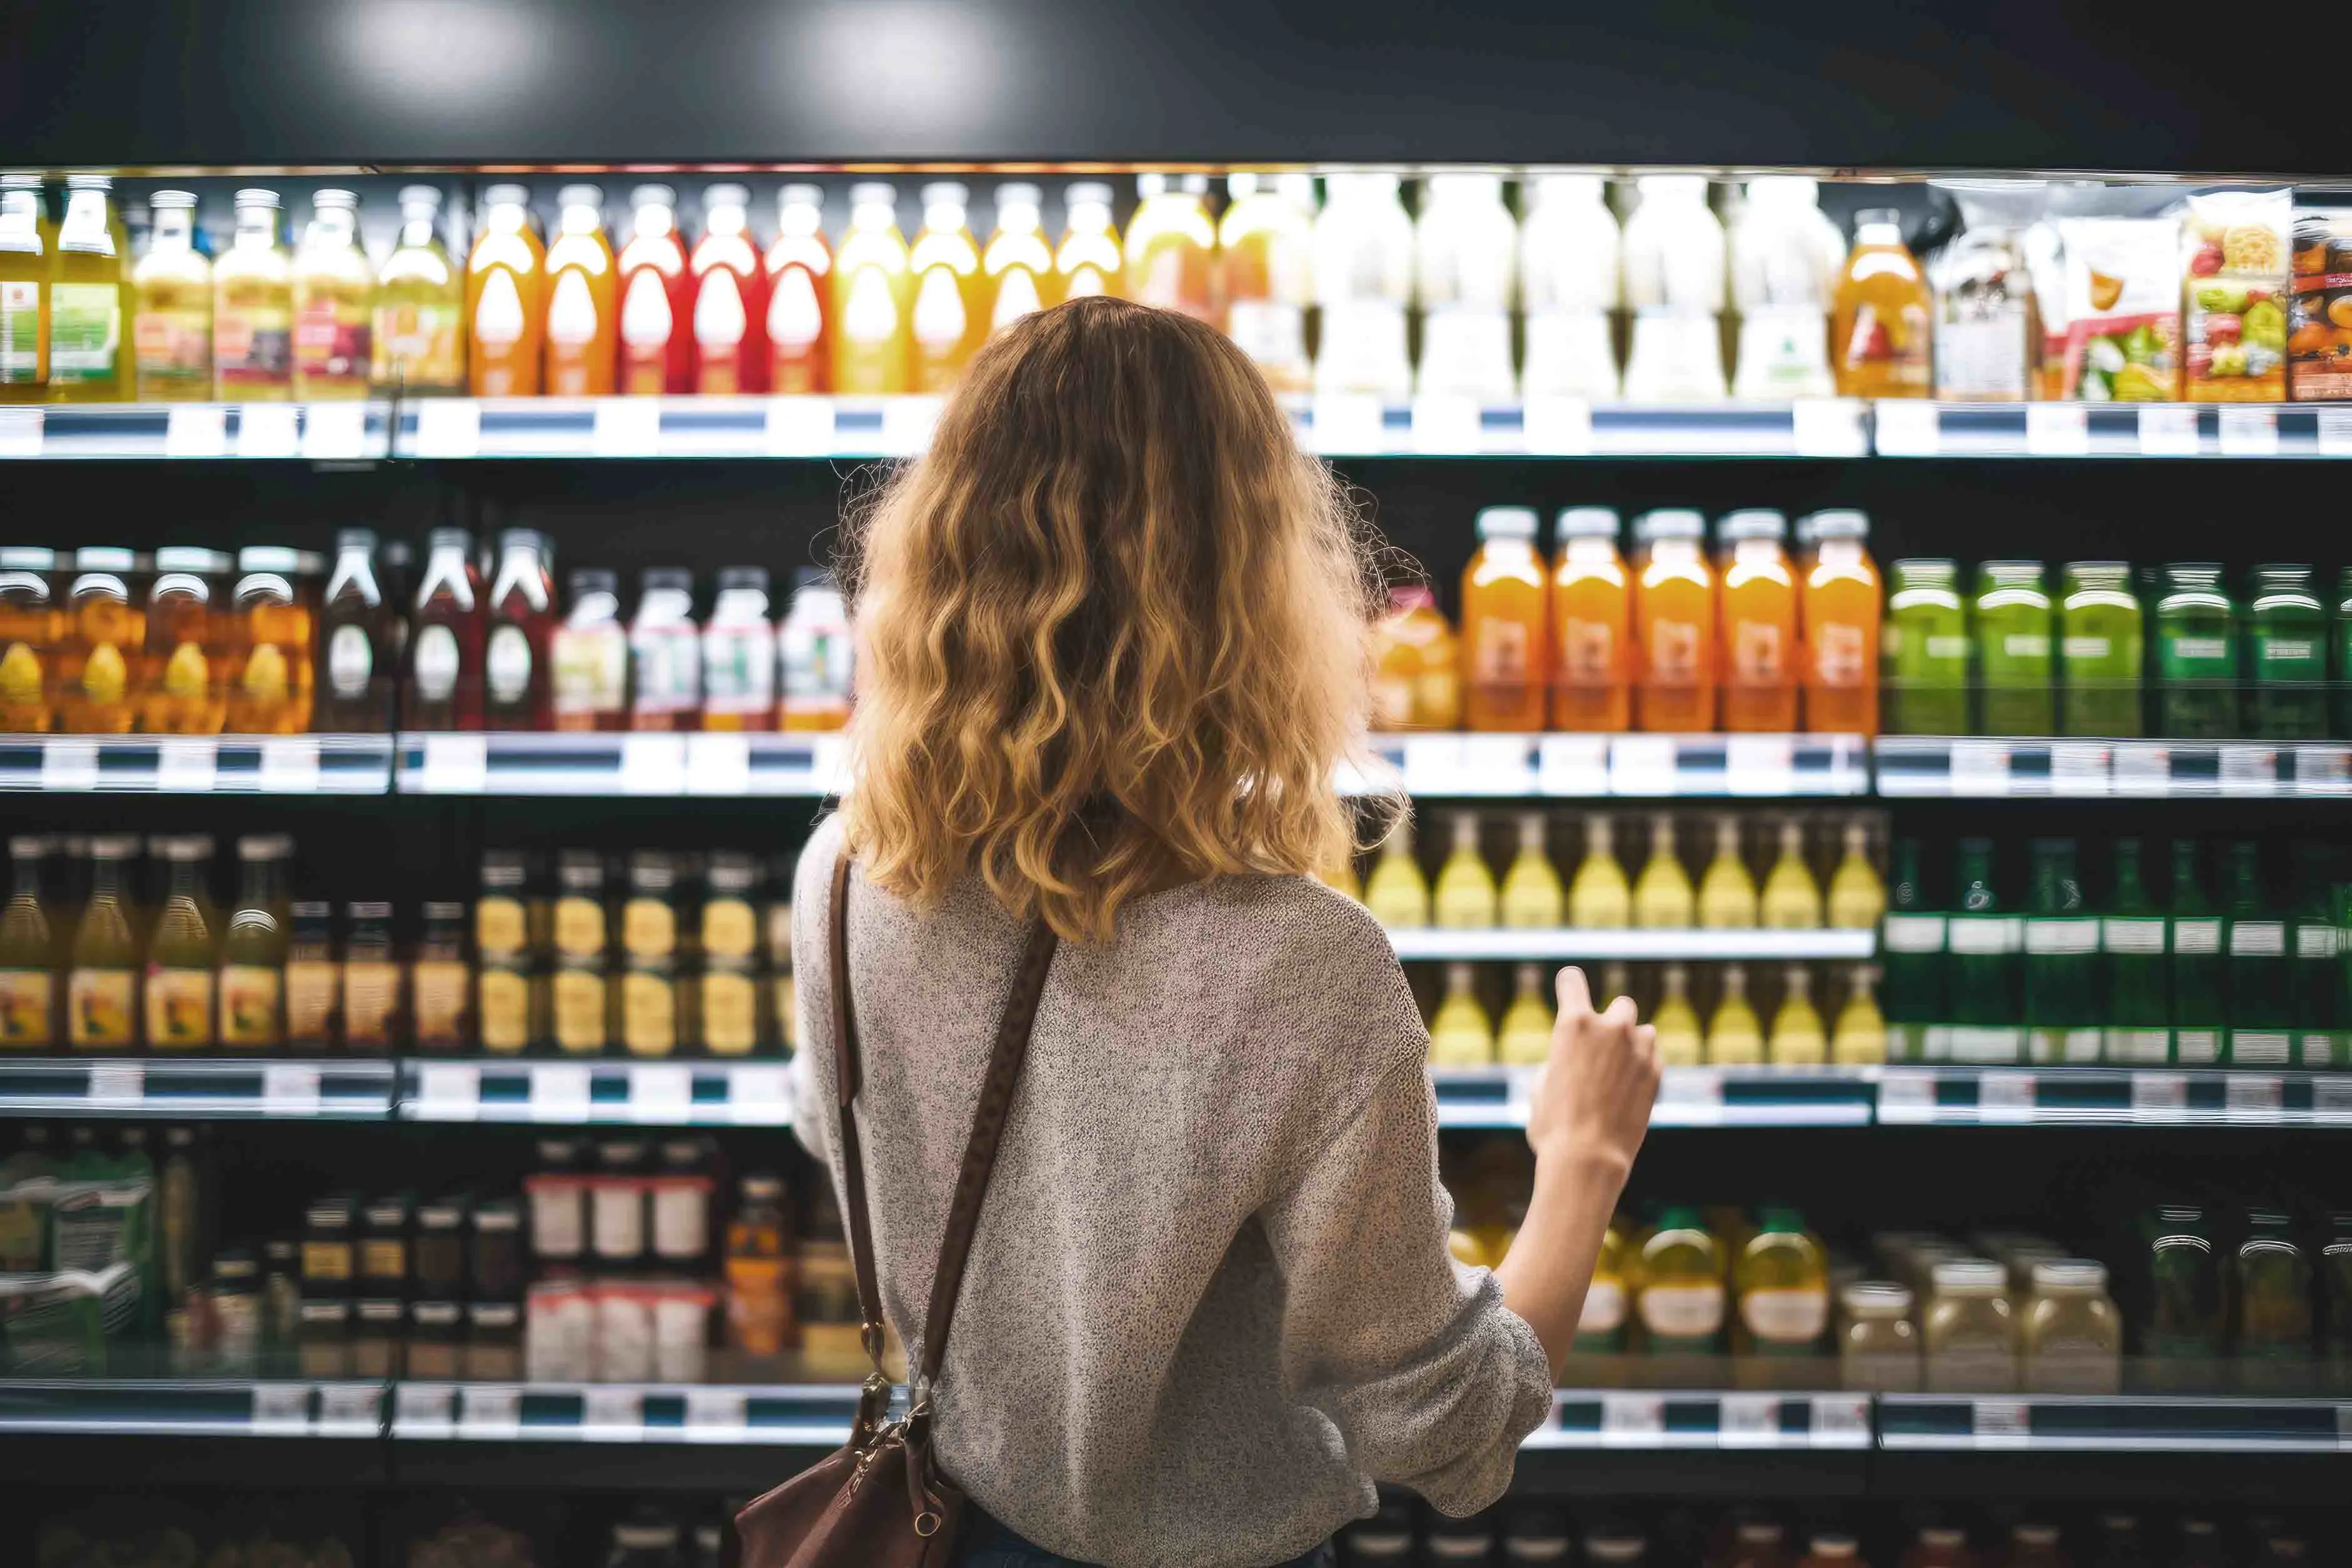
[254, 948]
[102, 986]
[182, 954]
[28, 952]
[26, 243]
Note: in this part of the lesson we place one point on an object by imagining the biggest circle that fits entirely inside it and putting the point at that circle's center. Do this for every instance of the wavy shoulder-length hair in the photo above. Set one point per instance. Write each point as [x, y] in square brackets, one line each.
[1113, 628]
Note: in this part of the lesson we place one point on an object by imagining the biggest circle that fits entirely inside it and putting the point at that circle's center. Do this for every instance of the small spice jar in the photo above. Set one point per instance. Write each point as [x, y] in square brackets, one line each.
[328, 1265]
[681, 1202]
[2074, 1336]
[377, 1328]
[325, 1339]
[439, 1265]
[433, 1333]
[493, 1342]
[1878, 1345]
[234, 1298]
[384, 1246]
[497, 1263]
[1971, 1332]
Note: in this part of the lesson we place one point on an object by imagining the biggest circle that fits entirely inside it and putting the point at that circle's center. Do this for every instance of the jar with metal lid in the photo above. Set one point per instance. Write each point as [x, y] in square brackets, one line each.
[235, 1297]
[1939, 1546]
[1831, 1548]
[325, 1339]
[439, 1263]
[1878, 1345]
[281, 1294]
[681, 1202]
[493, 1342]
[2074, 1335]
[441, 982]
[1969, 1334]
[378, 1326]
[617, 1202]
[434, 1329]
[498, 1262]
[328, 1266]
[383, 1246]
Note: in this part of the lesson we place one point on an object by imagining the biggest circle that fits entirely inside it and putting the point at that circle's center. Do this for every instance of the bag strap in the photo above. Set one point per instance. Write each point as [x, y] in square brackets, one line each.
[995, 1107]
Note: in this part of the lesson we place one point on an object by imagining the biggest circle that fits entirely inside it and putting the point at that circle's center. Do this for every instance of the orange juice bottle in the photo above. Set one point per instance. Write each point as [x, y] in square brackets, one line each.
[870, 293]
[582, 329]
[105, 633]
[1759, 628]
[506, 287]
[949, 318]
[1673, 624]
[1089, 261]
[800, 267]
[730, 297]
[1841, 605]
[1592, 625]
[1415, 682]
[1172, 246]
[1502, 629]
[1882, 317]
[1018, 263]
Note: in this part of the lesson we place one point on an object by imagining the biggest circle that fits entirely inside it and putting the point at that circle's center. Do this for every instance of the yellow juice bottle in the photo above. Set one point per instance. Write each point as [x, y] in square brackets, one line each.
[1461, 1035]
[417, 341]
[1797, 1039]
[102, 978]
[1663, 896]
[505, 298]
[1533, 895]
[1782, 1281]
[1090, 259]
[1792, 900]
[1726, 893]
[950, 317]
[1680, 1303]
[180, 955]
[1396, 893]
[1860, 1036]
[1734, 1037]
[1857, 896]
[334, 291]
[1018, 264]
[1601, 1329]
[253, 308]
[173, 332]
[1598, 896]
[581, 331]
[92, 301]
[1525, 1039]
[1676, 1021]
[26, 241]
[1266, 243]
[1466, 888]
[1172, 245]
[871, 290]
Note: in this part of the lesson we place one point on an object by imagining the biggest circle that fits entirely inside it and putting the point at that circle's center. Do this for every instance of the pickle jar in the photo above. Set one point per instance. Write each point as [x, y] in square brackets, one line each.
[2074, 1336]
[2184, 1302]
[1923, 650]
[1970, 1336]
[2271, 1290]
[583, 1003]
[649, 1010]
[2196, 653]
[2286, 653]
[2100, 645]
[2011, 617]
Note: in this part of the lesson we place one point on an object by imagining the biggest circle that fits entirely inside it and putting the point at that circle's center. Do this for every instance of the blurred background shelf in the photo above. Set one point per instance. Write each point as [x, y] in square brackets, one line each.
[198, 765]
[1988, 767]
[212, 1089]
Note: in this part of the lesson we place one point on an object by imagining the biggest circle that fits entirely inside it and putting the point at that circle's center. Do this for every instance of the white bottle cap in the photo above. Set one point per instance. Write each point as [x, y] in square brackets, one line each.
[1587, 523]
[1506, 523]
[1669, 523]
[1752, 523]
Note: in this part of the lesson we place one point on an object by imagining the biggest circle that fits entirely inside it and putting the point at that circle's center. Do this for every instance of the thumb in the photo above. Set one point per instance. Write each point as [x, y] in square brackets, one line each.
[1575, 995]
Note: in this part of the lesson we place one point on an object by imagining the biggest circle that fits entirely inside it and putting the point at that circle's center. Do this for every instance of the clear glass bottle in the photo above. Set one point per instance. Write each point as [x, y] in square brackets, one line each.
[1988, 319]
[445, 653]
[1266, 241]
[182, 689]
[1878, 1343]
[173, 332]
[1090, 259]
[313, 984]
[253, 308]
[272, 645]
[254, 947]
[93, 304]
[738, 653]
[2072, 1335]
[416, 339]
[31, 628]
[333, 303]
[1970, 1334]
[102, 982]
[665, 653]
[27, 258]
[1466, 897]
[182, 953]
[359, 637]
[105, 633]
[28, 951]
[1881, 332]
[588, 658]
[520, 616]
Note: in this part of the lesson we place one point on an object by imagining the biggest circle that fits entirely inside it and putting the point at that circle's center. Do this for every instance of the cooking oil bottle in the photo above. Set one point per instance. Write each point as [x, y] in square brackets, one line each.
[1734, 1037]
[1533, 896]
[1797, 1040]
[1782, 1281]
[1524, 1039]
[180, 955]
[102, 984]
[1599, 896]
[1663, 896]
[1681, 1299]
[1460, 1035]
[1676, 1021]
[1726, 893]
[1397, 893]
[1860, 1036]
[1792, 900]
[1466, 888]
[1857, 894]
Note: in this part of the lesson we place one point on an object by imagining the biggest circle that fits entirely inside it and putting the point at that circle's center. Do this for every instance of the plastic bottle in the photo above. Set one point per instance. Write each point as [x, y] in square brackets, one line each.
[800, 274]
[665, 654]
[1570, 289]
[253, 948]
[1797, 1039]
[1726, 891]
[416, 337]
[1785, 256]
[656, 350]
[1759, 627]
[1674, 277]
[1680, 1301]
[1089, 261]
[27, 259]
[104, 634]
[334, 291]
[814, 652]
[1017, 267]
[1172, 245]
[1364, 280]
[521, 624]
[1416, 680]
[1735, 1037]
[871, 292]
[949, 316]
[1525, 1038]
[506, 287]
[1857, 896]
[1838, 601]
[582, 329]
[1792, 899]
[1533, 896]
[1466, 895]
[1926, 654]
[1859, 1036]
[1460, 1035]
[1663, 896]
[1396, 893]
[173, 333]
[1266, 252]
[1674, 624]
[730, 297]
[738, 653]
[1592, 625]
[1881, 326]
[1466, 280]
[588, 657]
[1782, 1280]
[1676, 1021]
[1504, 636]
[93, 304]
[445, 653]
[1598, 894]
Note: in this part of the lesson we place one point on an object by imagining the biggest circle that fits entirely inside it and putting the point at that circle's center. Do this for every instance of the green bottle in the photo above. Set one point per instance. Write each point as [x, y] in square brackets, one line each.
[2100, 641]
[2286, 653]
[2139, 1019]
[2341, 662]
[2261, 982]
[2011, 624]
[1911, 951]
[2197, 1014]
[1983, 971]
[1923, 650]
[2317, 943]
[2335, 1267]
[2271, 1290]
[2196, 654]
[2184, 1317]
[2062, 960]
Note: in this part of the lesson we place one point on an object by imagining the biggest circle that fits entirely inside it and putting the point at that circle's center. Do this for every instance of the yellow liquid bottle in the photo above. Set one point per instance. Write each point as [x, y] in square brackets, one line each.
[1860, 1037]
[1676, 1021]
[505, 298]
[1460, 1035]
[1663, 896]
[334, 297]
[1466, 888]
[1726, 893]
[871, 290]
[1533, 895]
[1525, 1039]
[1601, 1330]
[1792, 900]
[950, 317]
[1267, 243]
[28, 952]
[1172, 245]
[1339, 876]
[1090, 259]
[1396, 893]
[418, 342]
[92, 301]
[1017, 266]
[25, 263]
[102, 982]
[1599, 896]
[173, 332]
[253, 308]
[1680, 1303]
[1782, 1281]
[1734, 1037]
[1797, 1040]
[254, 947]
[178, 987]
[1857, 896]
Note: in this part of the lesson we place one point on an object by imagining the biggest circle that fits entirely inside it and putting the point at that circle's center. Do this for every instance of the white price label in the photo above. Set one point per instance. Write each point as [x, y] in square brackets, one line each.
[2057, 430]
[660, 1092]
[2249, 432]
[1760, 764]
[2249, 770]
[1909, 427]
[1827, 427]
[829, 763]
[334, 432]
[1840, 1421]
[488, 1410]
[1749, 1421]
[1906, 1096]
[268, 430]
[1980, 767]
[2142, 770]
[1519, 1086]
[2077, 767]
[68, 763]
[424, 1410]
[448, 1090]
[627, 427]
[350, 1410]
[1632, 1420]
[716, 1413]
[759, 1095]
[1689, 1097]
[457, 765]
[2331, 1098]
[1558, 426]
[186, 765]
[800, 426]
[449, 427]
[1572, 764]
[281, 1409]
[1432, 764]
[196, 430]
[559, 1091]
[653, 765]
[2167, 430]
[908, 423]
[2334, 432]
[117, 1084]
[289, 1088]
[289, 765]
[2254, 1095]
[2322, 770]
[612, 1415]
[1347, 424]
[2160, 1096]
[1642, 764]
[20, 433]
[1447, 424]
[718, 765]
[2005, 1096]
[2002, 1423]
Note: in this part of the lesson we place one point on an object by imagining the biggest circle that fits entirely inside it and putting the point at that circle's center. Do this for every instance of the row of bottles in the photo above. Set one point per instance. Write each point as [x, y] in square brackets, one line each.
[103, 640]
[1530, 894]
[2233, 977]
[1671, 638]
[1463, 1033]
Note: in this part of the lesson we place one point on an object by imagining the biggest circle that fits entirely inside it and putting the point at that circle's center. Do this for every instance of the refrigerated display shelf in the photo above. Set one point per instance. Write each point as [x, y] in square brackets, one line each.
[1984, 767]
[792, 765]
[198, 764]
[1598, 943]
[2139, 1423]
[155, 1087]
[1498, 1097]
[644, 1093]
[1951, 1096]
[192, 1408]
[1580, 767]
[1913, 428]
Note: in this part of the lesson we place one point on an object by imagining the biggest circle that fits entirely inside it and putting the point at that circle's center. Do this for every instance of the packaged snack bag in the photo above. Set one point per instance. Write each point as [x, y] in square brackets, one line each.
[2121, 341]
[2319, 315]
[2234, 292]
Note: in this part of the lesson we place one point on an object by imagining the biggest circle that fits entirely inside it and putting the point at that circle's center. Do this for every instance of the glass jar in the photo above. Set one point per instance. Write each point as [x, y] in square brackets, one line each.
[441, 983]
[493, 1342]
[384, 1246]
[236, 1302]
[2286, 653]
[2011, 617]
[434, 1329]
[617, 1204]
[1988, 325]
[439, 1263]
[1923, 650]
[497, 1264]
[2184, 1313]
[504, 1009]
[328, 1266]
[583, 939]
[1878, 1345]
[2099, 648]
[2074, 1336]
[1970, 1331]
[2196, 653]
[323, 1338]
[378, 1327]
[681, 1203]
[2271, 1281]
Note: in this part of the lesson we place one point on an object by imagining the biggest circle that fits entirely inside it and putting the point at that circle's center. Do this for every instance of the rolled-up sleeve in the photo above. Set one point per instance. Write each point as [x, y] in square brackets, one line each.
[1429, 1379]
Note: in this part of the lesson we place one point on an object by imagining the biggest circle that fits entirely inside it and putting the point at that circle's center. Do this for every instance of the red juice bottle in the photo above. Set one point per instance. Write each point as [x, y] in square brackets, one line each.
[445, 653]
[515, 691]
[656, 349]
[359, 638]
[731, 299]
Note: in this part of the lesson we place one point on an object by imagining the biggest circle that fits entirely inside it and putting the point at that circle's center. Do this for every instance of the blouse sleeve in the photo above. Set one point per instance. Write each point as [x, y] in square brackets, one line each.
[811, 1070]
[1430, 1380]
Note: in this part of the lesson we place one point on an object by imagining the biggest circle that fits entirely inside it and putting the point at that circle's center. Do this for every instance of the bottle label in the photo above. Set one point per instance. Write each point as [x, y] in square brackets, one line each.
[266, 675]
[2257, 938]
[2181, 653]
[1501, 650]
[179, 1009]
[2132, 934]
[738, 670]
[25, 1002]
[1673, 653]
[1587, 652]
[252, 1005]
[438, 988]
[2085, 647]
[1682, 1312]
[2066, 1045]
[2026, 645]
[1947, 649]
[2201, 935]
[20, 334]
[731, 1004]
[85, 332]
[1981, 1046]
[174, 343]
[648, 928]
[1756, 654]
[2318, 941]
[588, 672]
[579, 927]
[102, 1011]
[330, 340]
[2137, 1047]
[720, 321]
[253, 336]
[20, 676]
[1017, 296]
[104, 675]
[939, 319]
[436, 660]
[371, 1004]
[507, 666]
[351, 663]
[1604, 1307]
[649, 1014]
[1272, 333]
[668, 670]
[1977, 934]
[499, 925]
[2259, 1048]
[2288, 659]
[570, 317]
[505, 1008]
[729, 930]
[2197, 1047]
[420, 347]
[499, 320]
[1838, 653]
[2062, 936]
[310, 994]
[580, 1023]
[1785, 1318]
[187, 675]
[2316, 1050]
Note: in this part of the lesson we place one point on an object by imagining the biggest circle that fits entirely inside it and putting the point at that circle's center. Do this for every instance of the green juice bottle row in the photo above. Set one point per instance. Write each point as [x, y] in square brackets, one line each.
[2217, 971]
[2181, 651]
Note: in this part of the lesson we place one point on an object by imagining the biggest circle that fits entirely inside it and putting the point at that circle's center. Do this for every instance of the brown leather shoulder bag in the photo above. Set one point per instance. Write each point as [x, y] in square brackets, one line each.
[881, 1502]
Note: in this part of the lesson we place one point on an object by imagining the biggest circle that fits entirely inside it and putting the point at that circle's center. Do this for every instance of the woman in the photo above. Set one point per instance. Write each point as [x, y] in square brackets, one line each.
[1113, 637]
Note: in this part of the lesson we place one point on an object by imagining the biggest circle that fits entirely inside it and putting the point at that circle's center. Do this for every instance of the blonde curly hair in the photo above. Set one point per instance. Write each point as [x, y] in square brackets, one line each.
[1114, 628]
